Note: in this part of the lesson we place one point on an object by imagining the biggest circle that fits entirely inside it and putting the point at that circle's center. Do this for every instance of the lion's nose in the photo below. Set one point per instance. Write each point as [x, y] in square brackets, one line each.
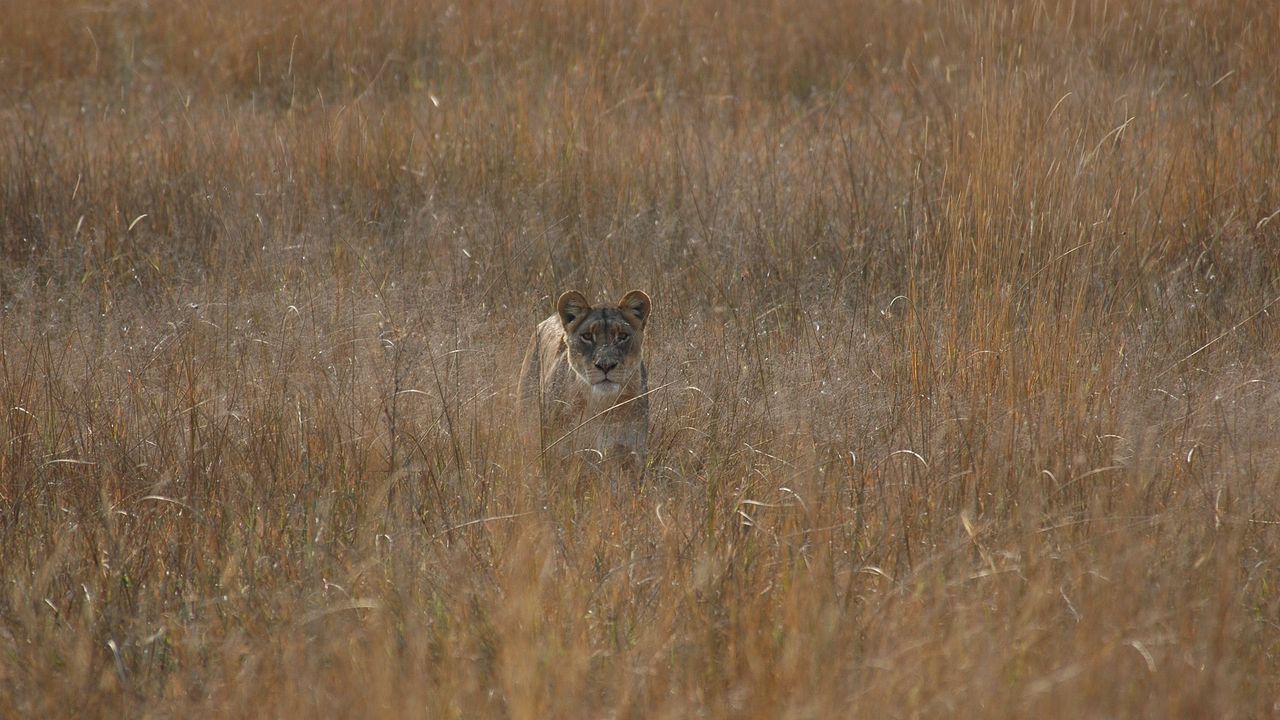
[606, 365]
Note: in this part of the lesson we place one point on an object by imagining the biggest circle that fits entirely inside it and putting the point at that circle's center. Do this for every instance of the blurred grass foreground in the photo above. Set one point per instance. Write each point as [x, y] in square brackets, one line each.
[964, 314]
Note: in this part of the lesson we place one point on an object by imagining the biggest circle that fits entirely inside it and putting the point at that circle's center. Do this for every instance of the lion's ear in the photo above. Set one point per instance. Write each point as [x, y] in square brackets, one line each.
[571, 307]
[635, 307]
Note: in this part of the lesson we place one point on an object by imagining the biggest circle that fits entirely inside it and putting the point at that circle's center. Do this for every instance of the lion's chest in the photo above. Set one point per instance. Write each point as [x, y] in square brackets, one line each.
[609, 423]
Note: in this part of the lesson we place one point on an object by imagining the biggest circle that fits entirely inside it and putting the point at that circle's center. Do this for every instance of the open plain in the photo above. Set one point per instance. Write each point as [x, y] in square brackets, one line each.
[964, 352]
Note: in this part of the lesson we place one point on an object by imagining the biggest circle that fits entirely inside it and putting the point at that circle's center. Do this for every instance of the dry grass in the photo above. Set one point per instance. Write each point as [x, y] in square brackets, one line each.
[963, 311]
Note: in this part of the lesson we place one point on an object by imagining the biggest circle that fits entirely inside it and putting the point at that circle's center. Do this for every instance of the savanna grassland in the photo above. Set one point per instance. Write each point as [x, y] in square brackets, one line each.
[966, 357]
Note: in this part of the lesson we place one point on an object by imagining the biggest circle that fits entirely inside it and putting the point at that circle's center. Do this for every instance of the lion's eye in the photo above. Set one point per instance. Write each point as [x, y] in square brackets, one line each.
[623, 337]
[588, 337]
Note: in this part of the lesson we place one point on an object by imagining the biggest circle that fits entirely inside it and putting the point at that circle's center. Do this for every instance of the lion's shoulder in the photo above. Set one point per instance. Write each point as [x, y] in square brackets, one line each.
[545, 373]
[549, 335]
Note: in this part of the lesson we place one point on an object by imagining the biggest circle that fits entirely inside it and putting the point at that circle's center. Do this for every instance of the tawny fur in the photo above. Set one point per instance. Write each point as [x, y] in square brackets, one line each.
[583, 385]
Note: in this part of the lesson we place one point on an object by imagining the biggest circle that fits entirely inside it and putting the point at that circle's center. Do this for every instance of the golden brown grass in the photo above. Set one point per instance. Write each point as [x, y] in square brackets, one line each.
[963, 318]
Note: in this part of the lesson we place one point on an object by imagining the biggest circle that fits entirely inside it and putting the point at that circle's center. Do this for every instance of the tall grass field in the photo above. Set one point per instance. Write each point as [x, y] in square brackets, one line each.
[964, 346]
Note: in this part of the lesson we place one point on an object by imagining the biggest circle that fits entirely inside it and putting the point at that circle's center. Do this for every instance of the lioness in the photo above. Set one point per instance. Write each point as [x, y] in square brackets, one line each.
[583, 385]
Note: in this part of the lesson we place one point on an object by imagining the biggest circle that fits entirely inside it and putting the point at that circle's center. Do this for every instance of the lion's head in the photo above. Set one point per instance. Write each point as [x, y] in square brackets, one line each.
[604, 341]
